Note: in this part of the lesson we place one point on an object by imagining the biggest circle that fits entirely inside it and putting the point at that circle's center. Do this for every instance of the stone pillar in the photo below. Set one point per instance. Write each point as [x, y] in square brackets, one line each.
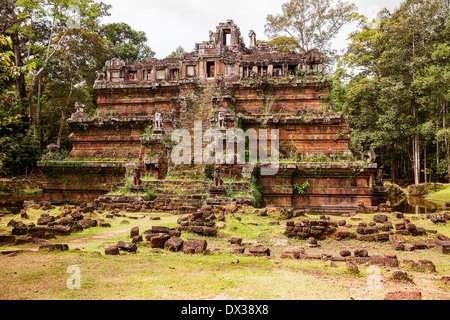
[153, 75]
[270, 70]
[201, 72]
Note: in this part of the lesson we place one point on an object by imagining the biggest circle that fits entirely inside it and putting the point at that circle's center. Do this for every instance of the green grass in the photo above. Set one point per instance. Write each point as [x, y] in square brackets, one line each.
[160, 274]
[442, 195]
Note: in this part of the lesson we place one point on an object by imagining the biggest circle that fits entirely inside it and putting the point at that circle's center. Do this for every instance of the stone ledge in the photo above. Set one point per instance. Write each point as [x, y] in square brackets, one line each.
[83, 164]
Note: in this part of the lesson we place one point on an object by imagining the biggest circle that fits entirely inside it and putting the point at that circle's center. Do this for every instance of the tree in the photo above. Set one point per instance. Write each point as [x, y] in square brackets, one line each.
[80, 55]
[60, 13]
[177, 53]
[399, 56]
[8, 68]
[313, 23]
[128, 44]
[284, 44]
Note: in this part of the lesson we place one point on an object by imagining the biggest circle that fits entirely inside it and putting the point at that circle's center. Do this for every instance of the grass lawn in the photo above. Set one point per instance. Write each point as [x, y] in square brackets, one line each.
[442, 195]
[160, 274]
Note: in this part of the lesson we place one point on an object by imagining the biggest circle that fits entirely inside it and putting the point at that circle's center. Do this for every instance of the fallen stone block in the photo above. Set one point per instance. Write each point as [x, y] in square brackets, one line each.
[421, 265]
[7, 239]
[235, 240]
[365, 237]
[236, 248]
[174, 244]
[18, 231]
[77, 216]
[259, 250]
[345, 253]
[134, 232]
[360, 253]
[113, 250]
[209, 231]
[136, 239]
[159, 241]
[45, 220]
[380, 218]
[88, 223]
[126, 246]
[194, 246]
[54, 246]
[381, 236]
[400, 276]
[403, 295]
[443, 246]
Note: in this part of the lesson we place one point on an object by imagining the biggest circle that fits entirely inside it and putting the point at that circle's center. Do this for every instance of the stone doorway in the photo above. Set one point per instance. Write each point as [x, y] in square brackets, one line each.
[210, 69]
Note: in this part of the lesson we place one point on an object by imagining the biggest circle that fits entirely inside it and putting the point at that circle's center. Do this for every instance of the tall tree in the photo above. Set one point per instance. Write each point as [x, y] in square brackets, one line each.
[128, 44]
[313, 23]
[395, 55]
[80, 55]
[61, 14]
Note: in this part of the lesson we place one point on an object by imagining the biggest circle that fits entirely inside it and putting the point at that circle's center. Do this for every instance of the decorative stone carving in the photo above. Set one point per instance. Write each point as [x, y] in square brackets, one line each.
[217, 177]
[369, 156]
[53, 153]
[221, 120]
[79, 111]
[100, 75]
[252, 36]
[217, 188]
[137, 179]
[157, 122]
[79, 107]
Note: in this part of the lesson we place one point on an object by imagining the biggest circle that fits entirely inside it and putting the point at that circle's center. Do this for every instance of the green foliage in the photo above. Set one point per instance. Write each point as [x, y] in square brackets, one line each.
[394, 82]
[301, 188]
[313, 23]
[424, 189]
[255, 187]
[209, 172]
[19, 151]
[150, 193]
[128, 44]
[148, 131]
[177, 53]
[284, 44]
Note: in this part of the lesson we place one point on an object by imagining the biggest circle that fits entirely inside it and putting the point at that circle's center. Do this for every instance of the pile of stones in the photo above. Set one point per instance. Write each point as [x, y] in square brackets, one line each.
[47, 226]
[159, 237]
[202, 221]
[307, 228]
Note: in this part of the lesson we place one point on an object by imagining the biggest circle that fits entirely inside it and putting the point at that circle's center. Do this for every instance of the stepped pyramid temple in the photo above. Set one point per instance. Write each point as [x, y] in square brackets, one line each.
[222, 84]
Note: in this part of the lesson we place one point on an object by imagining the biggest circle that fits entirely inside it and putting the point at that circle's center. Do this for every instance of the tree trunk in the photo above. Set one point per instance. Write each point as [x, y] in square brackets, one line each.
[425, 179]
[49, 54]
[437, 159]
[38, 128]
[61, 127]
[63, 114]
[393, 164]
[20, 80]
[416, 159]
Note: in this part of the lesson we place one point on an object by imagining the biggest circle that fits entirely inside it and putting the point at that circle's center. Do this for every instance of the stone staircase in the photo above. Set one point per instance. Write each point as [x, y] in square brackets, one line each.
[200, 109]
[179, 196]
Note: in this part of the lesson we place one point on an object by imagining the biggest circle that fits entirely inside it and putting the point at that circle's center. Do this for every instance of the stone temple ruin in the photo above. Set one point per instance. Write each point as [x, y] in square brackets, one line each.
[224, 84]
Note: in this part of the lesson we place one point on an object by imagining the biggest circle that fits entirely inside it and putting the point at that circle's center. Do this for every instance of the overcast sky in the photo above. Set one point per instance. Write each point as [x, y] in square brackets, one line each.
[169, 23]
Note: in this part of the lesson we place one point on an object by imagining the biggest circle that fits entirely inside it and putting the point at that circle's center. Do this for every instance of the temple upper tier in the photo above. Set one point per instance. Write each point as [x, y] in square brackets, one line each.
[223, 55]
